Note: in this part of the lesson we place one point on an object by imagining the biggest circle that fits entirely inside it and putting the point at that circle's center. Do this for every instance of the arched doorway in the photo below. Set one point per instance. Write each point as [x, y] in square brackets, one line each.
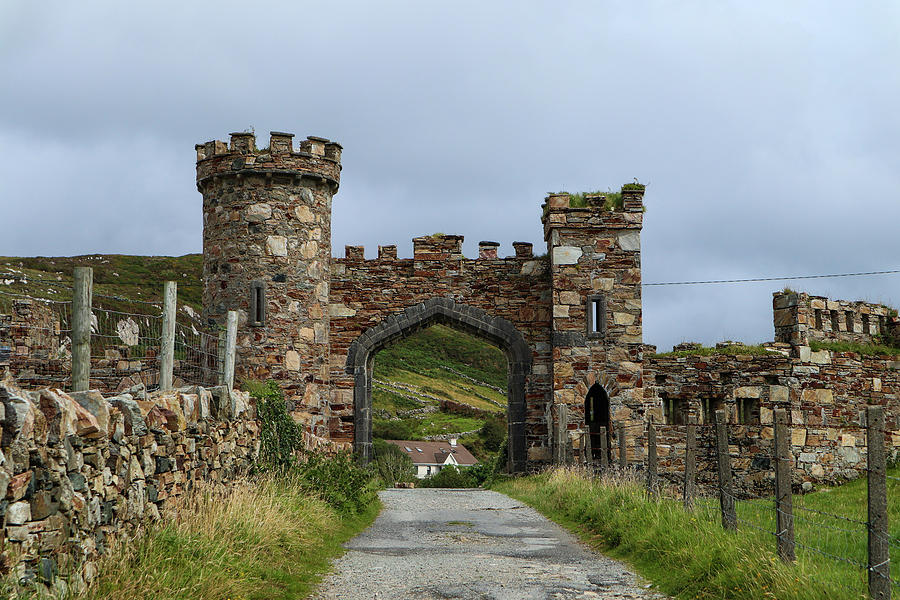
[597, 415]
[469, 319]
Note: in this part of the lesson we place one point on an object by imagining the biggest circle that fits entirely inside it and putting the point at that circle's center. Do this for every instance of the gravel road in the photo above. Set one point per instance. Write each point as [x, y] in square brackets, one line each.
[472, 544]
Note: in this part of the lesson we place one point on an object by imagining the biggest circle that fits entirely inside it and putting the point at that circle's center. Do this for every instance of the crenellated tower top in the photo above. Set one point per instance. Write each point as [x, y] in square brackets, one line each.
[317, 158]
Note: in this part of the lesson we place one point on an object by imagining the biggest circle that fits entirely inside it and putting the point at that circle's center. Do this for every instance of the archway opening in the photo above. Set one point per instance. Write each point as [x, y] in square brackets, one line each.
[439, 395]
[597, 415]
[460, 317]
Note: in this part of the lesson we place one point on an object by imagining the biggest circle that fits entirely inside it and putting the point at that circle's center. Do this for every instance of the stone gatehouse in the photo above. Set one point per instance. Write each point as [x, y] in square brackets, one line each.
[569, 321]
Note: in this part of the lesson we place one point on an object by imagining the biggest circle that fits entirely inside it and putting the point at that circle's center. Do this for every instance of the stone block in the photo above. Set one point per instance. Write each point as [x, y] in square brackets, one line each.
[276, 245]
[817, 396]
[754, 391]
[566, 255]
[18, 513]
[94, 402]
[798, 436]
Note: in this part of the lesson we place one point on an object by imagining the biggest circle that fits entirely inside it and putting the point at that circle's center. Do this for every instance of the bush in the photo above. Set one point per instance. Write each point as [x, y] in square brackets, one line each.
[335, 478]
[392, 465]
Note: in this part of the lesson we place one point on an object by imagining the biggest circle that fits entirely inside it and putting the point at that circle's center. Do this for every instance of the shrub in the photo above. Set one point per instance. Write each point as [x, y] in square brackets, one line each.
[281, 439]
[392, 465]
[449, 477]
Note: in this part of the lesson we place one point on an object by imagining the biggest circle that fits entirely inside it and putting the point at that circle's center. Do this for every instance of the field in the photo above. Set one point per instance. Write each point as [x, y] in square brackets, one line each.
[689, 555]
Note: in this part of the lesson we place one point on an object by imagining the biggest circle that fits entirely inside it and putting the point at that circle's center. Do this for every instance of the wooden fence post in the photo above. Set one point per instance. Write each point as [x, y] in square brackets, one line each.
[167, 346]
[230, 348]
[623, 451]
[587, 450]
[82, 292]
[784, 515]
[651, 457]
[220, 355]
[726, 492]
[690, 462]
[604, 450]
[879, 555]
[559, 443]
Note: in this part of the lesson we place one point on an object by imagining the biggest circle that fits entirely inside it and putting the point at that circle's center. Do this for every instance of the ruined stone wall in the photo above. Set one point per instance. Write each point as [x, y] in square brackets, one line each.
[79, 470]
[824, 392]
[266, 254]
[801, 318]
[365, 292]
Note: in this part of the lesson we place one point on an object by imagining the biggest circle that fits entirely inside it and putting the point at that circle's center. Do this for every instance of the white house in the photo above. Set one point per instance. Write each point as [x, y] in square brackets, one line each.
[430, 457]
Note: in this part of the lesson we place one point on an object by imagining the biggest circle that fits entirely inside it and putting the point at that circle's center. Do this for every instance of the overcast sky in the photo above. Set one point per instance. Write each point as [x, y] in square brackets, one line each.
[767, 132]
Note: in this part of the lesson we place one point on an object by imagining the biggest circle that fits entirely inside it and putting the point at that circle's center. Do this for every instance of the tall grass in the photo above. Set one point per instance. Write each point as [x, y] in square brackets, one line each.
[688, 554]
[266, 538]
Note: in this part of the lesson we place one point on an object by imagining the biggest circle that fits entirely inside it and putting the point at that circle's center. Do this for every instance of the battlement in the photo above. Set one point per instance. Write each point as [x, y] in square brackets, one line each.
[441, 247]
[800, 318]
[317, 158]
[610, 210]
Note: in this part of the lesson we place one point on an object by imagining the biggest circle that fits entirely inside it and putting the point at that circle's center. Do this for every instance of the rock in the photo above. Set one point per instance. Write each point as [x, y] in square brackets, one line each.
[18, 513]
[94, 402]
[134, 418]
[86, 424]
[42, 505]
[276, 245]
[566, 255]
[18, 486]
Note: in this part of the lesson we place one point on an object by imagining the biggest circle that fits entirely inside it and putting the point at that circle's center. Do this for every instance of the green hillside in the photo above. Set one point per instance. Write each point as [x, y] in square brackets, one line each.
[415, 375]
[133, 277]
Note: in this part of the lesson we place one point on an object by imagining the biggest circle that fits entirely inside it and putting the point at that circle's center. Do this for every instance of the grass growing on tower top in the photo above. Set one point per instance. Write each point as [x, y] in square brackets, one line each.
[737, 350]
[861, 349]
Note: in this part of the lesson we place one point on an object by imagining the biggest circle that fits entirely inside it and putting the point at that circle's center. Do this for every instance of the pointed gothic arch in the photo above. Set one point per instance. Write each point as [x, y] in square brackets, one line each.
[468, 319]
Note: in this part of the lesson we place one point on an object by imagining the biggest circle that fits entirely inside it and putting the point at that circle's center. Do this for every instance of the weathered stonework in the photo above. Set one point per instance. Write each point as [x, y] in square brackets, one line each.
[79, 470]
[267, 227]
[267, 220]
[801, 318]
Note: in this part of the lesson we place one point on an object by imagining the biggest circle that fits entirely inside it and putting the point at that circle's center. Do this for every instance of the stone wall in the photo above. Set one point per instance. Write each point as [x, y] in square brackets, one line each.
[825, 394]
[801, 318]
[366, 292]
[77, 470]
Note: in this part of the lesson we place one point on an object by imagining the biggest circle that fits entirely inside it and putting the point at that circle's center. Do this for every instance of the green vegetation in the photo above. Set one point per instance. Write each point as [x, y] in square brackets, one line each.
[612, 200]
[861, 349]
[266, 538]
[439, 363]
[736, 350]
[689, 555]
[122, 276]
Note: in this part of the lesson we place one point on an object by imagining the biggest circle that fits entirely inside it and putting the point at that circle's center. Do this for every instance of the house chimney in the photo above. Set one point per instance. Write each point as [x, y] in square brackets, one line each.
[452, 442]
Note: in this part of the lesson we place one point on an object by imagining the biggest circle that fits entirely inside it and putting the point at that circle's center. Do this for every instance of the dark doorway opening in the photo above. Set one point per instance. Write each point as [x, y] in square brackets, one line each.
[596, 415]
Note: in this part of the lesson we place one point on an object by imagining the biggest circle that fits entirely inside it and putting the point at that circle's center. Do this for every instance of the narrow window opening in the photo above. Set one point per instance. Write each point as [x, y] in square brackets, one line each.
[865, 323]
[595, 313]
[710, 406]
[848, 315]
[835, 323]
[748, 411]
[818, 319]
[675, 411]
[882, 325]
[257, 303]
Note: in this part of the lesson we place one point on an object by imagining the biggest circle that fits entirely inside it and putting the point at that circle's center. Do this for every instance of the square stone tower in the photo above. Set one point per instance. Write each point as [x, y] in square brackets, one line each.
[596, 333]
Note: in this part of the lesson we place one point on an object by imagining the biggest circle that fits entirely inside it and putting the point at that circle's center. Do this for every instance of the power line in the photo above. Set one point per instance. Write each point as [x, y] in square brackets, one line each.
[753, 279]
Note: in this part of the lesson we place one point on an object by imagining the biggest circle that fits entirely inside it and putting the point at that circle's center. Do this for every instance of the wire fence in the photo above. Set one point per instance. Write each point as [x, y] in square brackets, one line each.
[833, 532]
[126, 339]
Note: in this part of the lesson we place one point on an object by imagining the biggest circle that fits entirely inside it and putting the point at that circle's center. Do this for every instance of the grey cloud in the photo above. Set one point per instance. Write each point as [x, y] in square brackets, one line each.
[766, 132]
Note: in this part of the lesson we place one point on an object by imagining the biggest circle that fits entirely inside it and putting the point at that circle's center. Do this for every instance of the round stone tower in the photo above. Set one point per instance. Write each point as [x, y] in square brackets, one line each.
[266, 254]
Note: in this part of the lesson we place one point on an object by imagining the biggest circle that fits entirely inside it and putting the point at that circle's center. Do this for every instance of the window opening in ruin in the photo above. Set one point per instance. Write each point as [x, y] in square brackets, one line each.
[818, 316]
[710, 406]
[257, 303]
[848, 316]
[882, 325]
[595, 315]
[725, 377]
[675, 411]
[660, 379]
[748, 411]
[835, 325]
[439, 383]
[597, 415]
[865, 323]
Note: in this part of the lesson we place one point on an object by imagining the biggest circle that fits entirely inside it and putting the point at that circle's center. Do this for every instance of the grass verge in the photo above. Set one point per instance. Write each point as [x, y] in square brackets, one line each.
[861, 349]
[267, 538]
[688, 554]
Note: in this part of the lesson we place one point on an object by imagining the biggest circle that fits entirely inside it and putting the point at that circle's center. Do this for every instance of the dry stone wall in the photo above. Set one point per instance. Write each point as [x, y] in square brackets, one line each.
[77, 470]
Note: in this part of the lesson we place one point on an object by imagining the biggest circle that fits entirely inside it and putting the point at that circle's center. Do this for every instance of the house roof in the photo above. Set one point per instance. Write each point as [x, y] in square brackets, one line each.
[435, 453]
